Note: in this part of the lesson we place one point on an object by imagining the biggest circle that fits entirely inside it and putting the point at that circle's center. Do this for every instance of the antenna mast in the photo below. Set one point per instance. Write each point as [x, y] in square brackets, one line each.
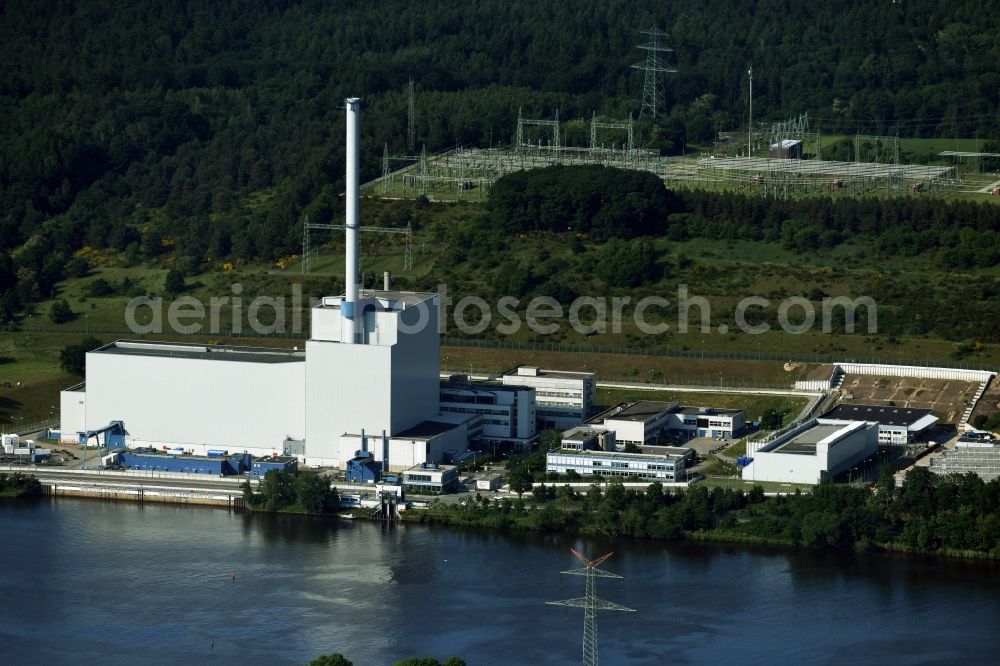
[590, 603]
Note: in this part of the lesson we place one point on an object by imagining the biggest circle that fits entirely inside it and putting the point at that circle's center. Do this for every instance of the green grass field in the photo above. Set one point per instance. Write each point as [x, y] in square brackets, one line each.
[721, 271]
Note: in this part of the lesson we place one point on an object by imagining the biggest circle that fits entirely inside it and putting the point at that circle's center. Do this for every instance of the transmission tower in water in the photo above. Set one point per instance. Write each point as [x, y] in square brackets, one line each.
[654, 65]
[590, 602]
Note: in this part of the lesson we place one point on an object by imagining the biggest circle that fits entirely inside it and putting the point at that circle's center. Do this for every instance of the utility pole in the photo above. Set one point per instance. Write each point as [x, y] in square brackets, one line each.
[590, 602]
[750, 124]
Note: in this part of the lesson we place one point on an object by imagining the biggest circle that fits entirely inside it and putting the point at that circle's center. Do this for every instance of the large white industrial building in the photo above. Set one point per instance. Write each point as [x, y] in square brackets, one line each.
[564, 399]
[496, 412]
[367, 380]
[669, 466]
[811, 452]
[645, 421]
[197, 397]
[896, 425]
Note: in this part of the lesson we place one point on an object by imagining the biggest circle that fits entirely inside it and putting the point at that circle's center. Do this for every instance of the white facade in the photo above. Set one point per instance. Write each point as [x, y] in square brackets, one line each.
[193, 396]
[371, 365]
[896, 425]
[496, 412]
[252, 399]
[813, 451]
[643, 421]
[388, 382]
[430, 478]
[583, 438]
[639, 422]
[708, 422]
[72, 414]
[670, 468]
[563, 399]
[427, 442]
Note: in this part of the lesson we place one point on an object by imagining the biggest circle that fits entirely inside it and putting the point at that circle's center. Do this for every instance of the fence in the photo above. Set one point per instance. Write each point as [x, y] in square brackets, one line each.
[22, 427]
[663, 352]
[488, 343]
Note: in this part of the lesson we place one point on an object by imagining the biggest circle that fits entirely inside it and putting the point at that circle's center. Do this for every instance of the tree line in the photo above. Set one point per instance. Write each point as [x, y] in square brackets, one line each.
[209, 130]
[929, 513]
[294, 491]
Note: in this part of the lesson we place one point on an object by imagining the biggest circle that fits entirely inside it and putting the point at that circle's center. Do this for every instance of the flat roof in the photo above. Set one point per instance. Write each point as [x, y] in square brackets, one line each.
[204, 352]
[653, 449]
[620, 454]
[582, 433]
[284, 460]
[177, 456]
[707, 411]
[805, 442]
[642, 410]
[407, 298]
[425, 430]
[482, 387]
[554, 374]
[895, 416]
[429, 467]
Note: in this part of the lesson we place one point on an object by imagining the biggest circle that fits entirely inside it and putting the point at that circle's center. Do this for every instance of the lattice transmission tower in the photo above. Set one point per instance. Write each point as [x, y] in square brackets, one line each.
[590, 602]
[411, 131]
[654, 65]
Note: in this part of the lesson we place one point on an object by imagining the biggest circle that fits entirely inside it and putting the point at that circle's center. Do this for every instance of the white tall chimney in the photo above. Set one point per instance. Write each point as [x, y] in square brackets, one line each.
[353, 197]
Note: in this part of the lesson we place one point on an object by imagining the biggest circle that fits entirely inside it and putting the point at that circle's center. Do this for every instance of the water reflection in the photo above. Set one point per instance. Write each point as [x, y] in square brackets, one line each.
[124, 584]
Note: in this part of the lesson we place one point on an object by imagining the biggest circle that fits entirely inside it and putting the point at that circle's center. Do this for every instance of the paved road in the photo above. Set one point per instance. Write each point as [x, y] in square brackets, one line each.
[196, 483]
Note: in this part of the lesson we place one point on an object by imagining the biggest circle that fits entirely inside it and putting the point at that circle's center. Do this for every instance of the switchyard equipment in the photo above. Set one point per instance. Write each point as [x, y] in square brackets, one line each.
[309, 253]
[797, 129]
[523, 123]
[590, 602]
[785, 177]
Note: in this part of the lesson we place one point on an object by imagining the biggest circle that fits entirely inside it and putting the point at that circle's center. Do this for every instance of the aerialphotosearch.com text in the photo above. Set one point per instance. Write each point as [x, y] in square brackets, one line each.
[508, 315]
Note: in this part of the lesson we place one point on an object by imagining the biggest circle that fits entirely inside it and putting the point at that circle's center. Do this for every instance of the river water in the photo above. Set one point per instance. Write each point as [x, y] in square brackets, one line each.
[92, 582]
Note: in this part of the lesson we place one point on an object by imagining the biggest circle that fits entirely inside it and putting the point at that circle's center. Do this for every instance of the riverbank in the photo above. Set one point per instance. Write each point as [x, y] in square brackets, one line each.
[942, 516]
[17, 485]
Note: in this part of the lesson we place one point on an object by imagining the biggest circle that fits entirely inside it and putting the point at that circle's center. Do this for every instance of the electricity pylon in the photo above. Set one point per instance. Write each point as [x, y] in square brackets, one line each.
[654, 65]
[590, 603]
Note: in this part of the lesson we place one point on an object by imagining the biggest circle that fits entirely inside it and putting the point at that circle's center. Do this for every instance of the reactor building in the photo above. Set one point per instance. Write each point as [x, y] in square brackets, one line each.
[368, 380]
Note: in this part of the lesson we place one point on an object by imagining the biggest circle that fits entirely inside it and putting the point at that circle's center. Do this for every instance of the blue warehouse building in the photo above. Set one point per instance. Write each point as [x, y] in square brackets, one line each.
[159, 462]
[363, 468]
[264, 464]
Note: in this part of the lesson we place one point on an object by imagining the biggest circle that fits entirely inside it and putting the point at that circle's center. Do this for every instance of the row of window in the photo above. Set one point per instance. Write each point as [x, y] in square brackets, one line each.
[552, 412]
[560, 394]
[626, 473]
[467, 410]
[479, 399]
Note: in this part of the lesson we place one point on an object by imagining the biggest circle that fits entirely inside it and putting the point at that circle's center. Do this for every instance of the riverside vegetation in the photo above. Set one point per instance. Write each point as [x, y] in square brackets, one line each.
[955, 515]
[18, 485]
[292, 492]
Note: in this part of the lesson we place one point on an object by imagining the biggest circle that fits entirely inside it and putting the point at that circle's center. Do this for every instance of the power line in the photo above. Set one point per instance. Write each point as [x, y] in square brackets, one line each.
[590, 602]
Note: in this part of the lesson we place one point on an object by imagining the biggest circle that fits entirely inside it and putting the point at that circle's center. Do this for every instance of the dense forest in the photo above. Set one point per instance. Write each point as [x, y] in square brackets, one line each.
[607, 203]
[205, 131]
